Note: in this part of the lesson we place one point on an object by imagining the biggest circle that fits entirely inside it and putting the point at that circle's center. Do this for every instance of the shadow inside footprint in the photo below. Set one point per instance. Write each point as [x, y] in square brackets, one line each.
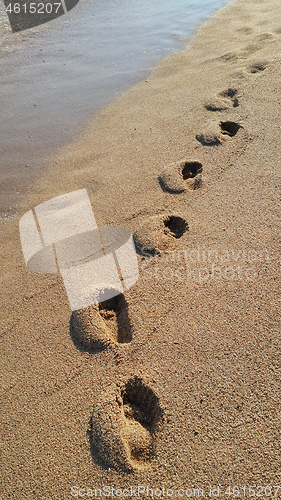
[229, 128]
[115, 314]
[176, 226]
[141, 414]
[98, 327]
[191, 169]
[229, 93]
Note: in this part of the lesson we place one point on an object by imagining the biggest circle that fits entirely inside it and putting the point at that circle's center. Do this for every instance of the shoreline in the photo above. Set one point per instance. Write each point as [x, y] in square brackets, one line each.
[205, 329]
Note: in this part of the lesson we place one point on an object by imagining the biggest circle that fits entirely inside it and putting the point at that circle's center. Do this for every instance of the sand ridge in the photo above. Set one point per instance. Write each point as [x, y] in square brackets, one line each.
[192, 397]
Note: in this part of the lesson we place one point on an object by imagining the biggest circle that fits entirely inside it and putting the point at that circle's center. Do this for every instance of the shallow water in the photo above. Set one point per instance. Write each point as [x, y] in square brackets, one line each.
[56, 76]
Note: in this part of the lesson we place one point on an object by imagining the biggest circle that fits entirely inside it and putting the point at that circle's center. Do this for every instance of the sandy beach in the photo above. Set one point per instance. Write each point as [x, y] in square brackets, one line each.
[189, 161]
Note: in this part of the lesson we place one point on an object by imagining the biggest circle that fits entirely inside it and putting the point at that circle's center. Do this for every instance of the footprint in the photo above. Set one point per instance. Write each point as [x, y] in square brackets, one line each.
[265, 36]
[124, 425]
[258, 66]
[225, 100]
[159, 233]
[251, 49]
[181, 176]
[98, 327]
[215, 133]
[246, 30]
[229, 57]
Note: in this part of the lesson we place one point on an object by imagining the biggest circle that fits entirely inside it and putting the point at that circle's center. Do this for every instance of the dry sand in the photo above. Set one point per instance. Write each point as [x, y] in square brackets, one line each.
[193, 400]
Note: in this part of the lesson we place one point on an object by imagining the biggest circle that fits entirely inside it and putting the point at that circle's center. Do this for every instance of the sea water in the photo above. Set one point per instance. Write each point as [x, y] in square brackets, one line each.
[55, 77]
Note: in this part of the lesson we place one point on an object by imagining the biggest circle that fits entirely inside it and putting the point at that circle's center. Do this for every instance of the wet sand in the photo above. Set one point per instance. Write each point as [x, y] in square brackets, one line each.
[189, 161]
